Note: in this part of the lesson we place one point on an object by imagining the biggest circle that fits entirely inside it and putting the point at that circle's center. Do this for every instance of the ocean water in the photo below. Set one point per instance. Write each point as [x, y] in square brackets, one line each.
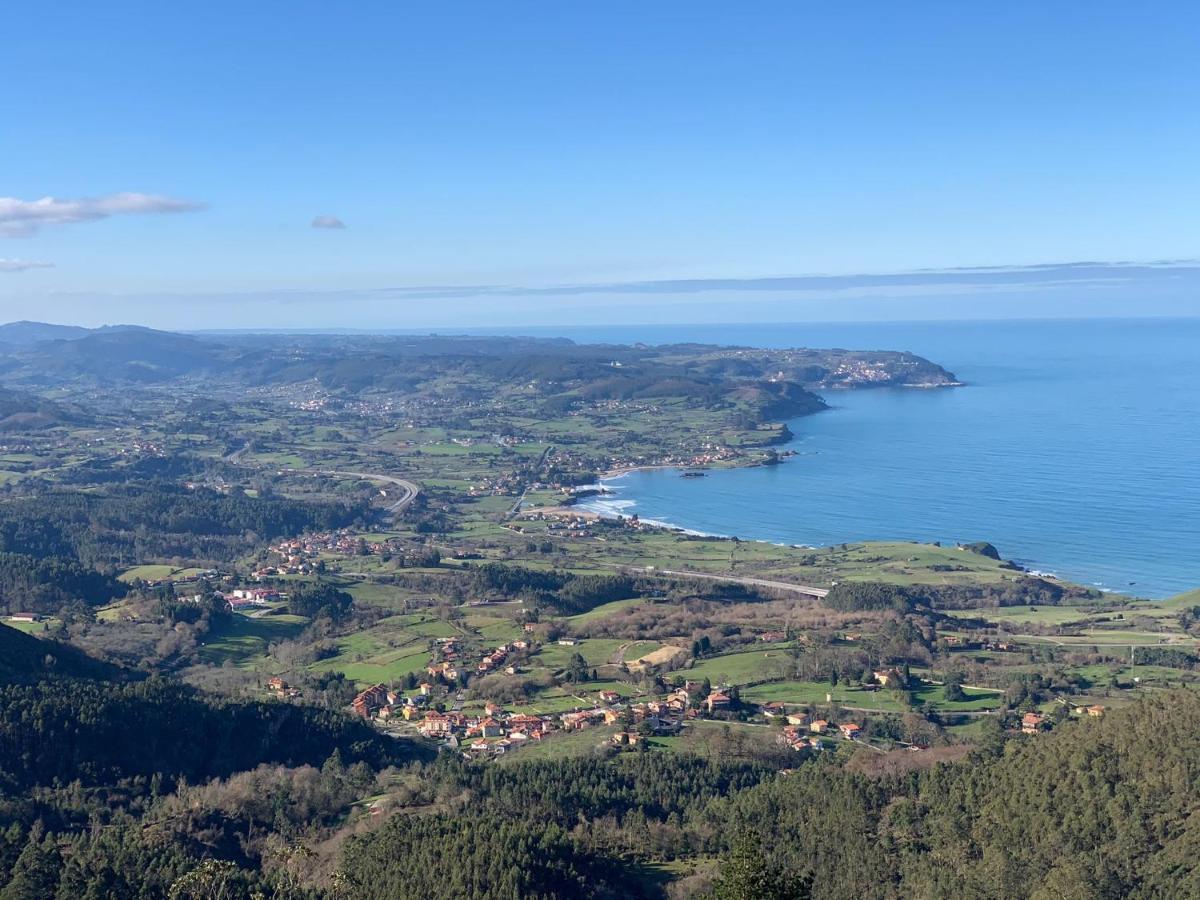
[1074, 448]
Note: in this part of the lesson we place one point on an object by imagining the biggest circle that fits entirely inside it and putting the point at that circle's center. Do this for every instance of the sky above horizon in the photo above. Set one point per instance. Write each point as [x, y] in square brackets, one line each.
[388, 165]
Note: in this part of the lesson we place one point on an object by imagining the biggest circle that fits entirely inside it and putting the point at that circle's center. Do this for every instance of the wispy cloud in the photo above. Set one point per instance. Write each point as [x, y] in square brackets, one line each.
[327, 222]
[1073, 290]
[981, 279]
[22, 265]
[22, 218]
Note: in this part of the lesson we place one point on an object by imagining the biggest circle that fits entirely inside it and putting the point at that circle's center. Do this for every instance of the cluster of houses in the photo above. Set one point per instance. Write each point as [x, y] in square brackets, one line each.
[312, 404]
[494, 661]
[143, 448]
[566, 522]
[242, 598]
[495, 732]
[561, 522]
[448, 662]
[708, 455]
[1034, 722]
[803, 733]
[298, 553]
[663, 715]
[965, 643]
[507, 484]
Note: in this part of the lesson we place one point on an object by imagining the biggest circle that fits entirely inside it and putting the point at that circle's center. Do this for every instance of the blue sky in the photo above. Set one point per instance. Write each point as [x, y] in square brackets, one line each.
[668, 157]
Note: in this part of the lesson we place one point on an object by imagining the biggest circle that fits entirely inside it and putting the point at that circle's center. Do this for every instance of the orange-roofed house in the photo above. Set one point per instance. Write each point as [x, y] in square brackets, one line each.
[716, 700]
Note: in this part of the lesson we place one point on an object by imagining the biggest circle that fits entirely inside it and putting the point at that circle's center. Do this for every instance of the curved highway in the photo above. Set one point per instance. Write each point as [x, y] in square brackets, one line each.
[409, 490]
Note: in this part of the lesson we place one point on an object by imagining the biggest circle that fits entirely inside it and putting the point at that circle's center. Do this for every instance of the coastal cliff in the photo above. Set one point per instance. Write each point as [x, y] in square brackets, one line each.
[778, 400]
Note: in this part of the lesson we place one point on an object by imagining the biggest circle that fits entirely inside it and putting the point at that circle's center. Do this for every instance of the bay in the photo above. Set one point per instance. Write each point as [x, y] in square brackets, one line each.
[1073, 447]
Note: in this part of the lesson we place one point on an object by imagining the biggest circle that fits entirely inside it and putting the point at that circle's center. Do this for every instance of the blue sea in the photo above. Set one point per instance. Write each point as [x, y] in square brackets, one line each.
[1074, 448]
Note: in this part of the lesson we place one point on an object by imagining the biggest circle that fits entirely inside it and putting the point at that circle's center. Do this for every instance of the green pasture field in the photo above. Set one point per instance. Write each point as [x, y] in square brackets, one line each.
[147, 573]
[1028, 615]
[741, 668]
[595, 651]
[244, 641]
[605, 610]
[564, 745]
[804, 693]
[34, 628]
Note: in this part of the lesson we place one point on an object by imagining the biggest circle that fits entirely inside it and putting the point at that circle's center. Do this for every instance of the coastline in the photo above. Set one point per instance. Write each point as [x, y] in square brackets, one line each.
[1026, 458]
[622, 471]
[919, 386]
[604, 505]
[627, 470]
[1027, 568]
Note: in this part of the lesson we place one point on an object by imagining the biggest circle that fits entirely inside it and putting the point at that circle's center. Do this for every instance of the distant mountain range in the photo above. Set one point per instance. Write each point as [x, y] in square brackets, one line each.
[24, 333]
[37, 355]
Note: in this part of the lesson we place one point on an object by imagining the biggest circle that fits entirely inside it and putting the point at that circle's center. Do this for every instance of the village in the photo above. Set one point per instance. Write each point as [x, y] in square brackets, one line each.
[305, 555]
[638, 715]
[434, 708]
[495, 731]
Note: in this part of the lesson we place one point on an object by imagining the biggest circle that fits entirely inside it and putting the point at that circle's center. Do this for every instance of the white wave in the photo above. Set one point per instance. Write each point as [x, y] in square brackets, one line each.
[608, 508]
[660, 523]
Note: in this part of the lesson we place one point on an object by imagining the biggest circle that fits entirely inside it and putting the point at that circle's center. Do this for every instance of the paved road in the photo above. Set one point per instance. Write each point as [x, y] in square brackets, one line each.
[516, 507]
[234, 457]
[408, 488]
[756, 582]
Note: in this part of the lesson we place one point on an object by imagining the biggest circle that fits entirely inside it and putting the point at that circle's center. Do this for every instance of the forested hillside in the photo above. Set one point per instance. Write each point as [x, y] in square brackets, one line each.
[99, 733]
[1099, 809]
[32, 584]
[135, 521]
[156, 789]
[1102, 808]
[25, 658]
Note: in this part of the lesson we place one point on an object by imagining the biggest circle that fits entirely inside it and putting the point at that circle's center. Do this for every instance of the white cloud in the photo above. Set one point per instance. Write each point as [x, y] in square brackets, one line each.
[22, 218]
[328, 222]
[21, 265]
